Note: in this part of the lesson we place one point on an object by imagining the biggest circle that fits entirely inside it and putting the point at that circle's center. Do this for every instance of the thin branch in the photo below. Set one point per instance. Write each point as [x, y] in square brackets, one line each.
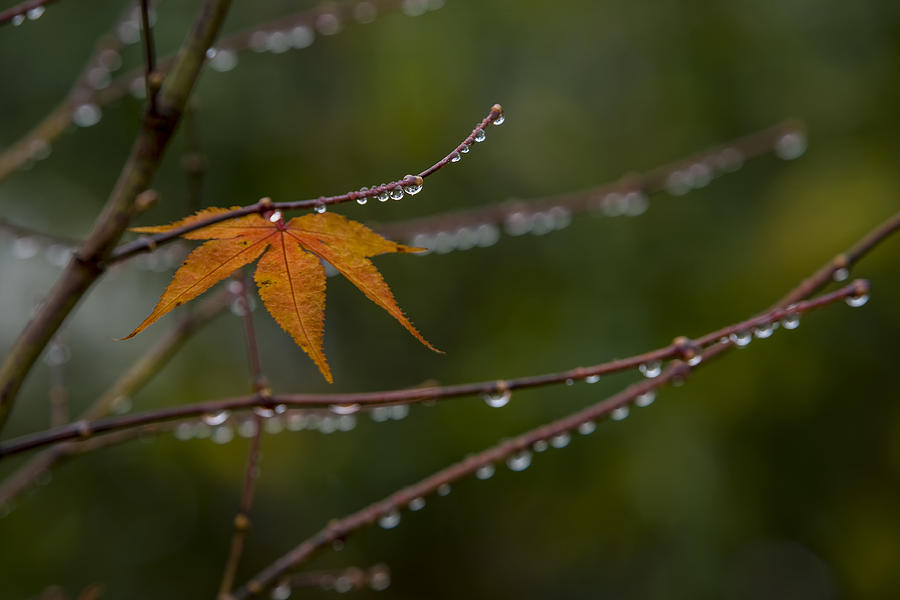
[681, 348]
[133, 379]
[377, 577]
[261, 387]
[47, 238]
[24, 10]
[149, 56]
[625, 196]
[135, 177]
[35, 142]
[151, 242]
[838, 268]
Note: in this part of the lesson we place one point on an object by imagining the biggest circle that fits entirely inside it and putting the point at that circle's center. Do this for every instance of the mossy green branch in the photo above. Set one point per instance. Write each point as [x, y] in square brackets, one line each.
[156, 131]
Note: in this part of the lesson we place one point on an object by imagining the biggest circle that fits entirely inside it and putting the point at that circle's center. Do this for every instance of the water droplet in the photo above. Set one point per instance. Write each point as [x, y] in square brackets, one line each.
[790, 146]
[247, 428]
[25, 247]
[519, 461]
[302, 37]
[137, 89]
[695, 360]
[592, 379]
[619, 414]
[380, 580]
[86, 115]
[224, 61]
[35, 13]
[296, 421]
[216, 418]
[841, 274]
[485, 472]
[281, 592]
[278, 42]
[464, 149]
[273, 425]
[651, 368]
[18, 20]
[497, 399]
[540, 446]
[416, 504]
[276, 216]
[262, 411]
[764, 331]
[791, 321]
[328, 23]
[183, 431]
[98, 78]
[570, 382]
[444, 489]
[389, 520]
[741, 339]
[412, 190]
[222, 435]
[380, 414]
[414, 8]
[645, 399]
[560, 441]
[678, 183]
[399, 411]
[344, 409]
[343, 584]
[455, 157]
[587, 428]
[480, 136]
[320, 208]
[396, 193]
[856, 301]
[382, 196]
[699, 175]
[346, 423]
[500, 120]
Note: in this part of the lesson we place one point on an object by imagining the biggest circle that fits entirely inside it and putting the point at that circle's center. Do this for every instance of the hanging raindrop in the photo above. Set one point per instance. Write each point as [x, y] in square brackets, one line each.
[651, 368]
[645, 399]
[619, 414]
[485, 472]
[519, 461]
[856, 301]
[389, 520]
[498, 399]
[741, 339]
[480, 136]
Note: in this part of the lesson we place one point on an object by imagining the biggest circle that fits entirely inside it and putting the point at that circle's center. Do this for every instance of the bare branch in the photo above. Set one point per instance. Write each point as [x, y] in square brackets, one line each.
[125, 386]
[135, 177]
[681, 348]
[380, 191]
[260, 386]
[625, 196]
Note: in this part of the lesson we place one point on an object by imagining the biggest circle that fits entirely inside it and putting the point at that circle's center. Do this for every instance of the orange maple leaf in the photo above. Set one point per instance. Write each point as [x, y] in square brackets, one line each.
[290, 275]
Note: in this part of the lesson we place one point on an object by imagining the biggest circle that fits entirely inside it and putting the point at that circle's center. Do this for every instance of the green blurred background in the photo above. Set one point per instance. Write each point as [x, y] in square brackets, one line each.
[774, 473]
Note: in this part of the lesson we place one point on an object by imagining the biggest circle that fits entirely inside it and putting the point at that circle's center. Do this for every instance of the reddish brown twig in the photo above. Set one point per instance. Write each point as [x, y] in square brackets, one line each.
[260, 387]
[680, 348]
[615, 198]
[151, 242]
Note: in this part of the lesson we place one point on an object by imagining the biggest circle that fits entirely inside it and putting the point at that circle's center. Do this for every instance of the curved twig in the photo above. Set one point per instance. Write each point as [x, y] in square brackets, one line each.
[151, 242]
[625, 196]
